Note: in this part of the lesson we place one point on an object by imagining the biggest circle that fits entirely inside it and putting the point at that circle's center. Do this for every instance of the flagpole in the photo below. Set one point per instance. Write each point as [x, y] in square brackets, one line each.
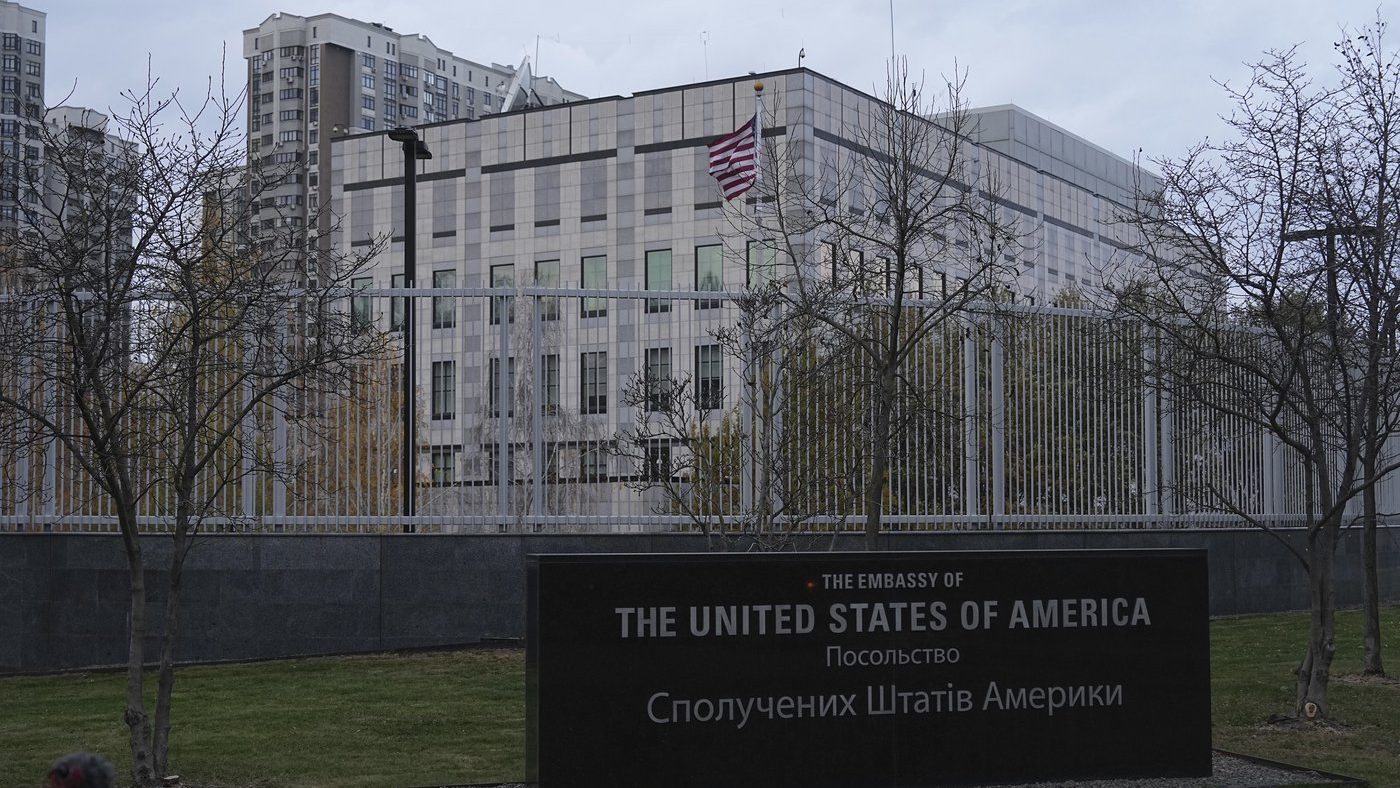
[758, 140]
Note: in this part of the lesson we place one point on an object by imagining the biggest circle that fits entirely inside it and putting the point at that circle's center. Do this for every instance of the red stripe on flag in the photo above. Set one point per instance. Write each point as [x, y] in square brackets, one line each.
[734, 159]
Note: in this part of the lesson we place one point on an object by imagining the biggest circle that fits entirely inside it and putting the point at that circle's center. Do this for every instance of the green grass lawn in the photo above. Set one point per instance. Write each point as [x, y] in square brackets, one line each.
[459, 716]
[1251, 663]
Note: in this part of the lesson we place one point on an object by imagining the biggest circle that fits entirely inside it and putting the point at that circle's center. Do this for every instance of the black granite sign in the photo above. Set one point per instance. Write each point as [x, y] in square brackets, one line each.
[858, 670]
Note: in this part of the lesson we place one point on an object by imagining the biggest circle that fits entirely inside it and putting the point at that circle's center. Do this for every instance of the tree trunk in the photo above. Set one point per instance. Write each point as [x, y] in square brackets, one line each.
[137, 722]
[879, 459]
[1315, 672]
[160, 742]
[1371, 663]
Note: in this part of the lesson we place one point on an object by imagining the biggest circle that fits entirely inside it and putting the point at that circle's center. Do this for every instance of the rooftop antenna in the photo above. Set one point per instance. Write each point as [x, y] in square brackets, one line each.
[891, 31]
[705, 48]
[535, 66]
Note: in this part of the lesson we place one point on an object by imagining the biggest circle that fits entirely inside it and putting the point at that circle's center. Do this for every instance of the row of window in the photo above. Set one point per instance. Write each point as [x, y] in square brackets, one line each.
[10, 86]
[849, 269]
[10, 64]
[592, 462]
[707, 392]
[10, 42]
[593, 275]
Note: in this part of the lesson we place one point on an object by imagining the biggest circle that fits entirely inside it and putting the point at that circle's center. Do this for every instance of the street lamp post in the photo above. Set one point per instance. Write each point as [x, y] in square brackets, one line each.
[1330, 232]
[413, 151]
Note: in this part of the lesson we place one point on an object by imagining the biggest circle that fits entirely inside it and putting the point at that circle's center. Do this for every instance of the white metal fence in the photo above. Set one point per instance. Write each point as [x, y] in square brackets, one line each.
[1030, 419]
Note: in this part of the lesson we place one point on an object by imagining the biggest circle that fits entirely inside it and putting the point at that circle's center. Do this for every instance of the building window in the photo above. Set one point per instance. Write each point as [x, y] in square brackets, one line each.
[408, 110]
[444, 460]
[367, 81]
[593, 393]
[31, 68]
[361, 308]
[407, 71]
[367, 102]
[33, 47]
[658, 277]
[502, 277]
[11, 41]
[287, 94]
[10, 64]
[367, 60]
[9, 85]
[762, 263]
[396, 304]
[289, 114]
[444, 390]
[391, 68]
[709, 272]
[494, 384]
[293, 135]
[593, 463]
[289, 72]
[658, 461]
[595, 277]
[913, 278]
[658, 379]
[549, 383]
[547, 275]
[444, 307]
[709, 380]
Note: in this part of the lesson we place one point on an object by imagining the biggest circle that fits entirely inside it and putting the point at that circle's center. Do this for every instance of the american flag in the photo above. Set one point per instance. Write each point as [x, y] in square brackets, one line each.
[734, 159]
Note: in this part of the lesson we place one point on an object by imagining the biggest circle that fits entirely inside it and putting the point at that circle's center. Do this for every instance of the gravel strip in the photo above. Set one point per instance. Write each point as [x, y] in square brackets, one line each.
[1227, 771]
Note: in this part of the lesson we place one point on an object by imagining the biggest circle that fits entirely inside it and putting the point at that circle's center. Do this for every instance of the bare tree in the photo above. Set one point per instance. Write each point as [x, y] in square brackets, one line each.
[1261, 327]
[892, 237]
[731, 461]
[527, 330]
[1358, 176]
[148, 320]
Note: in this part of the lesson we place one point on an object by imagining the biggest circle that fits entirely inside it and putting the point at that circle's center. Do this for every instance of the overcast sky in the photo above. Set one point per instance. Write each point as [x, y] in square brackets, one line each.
[1125, 74]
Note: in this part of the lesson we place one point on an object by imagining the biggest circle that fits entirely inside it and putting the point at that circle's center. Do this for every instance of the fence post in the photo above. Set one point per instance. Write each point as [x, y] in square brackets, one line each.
[538, 479]
[998, 424]
[504, 403]
[746, 427]
[247, 481]
[1167, 475]
[49, 487]
[279, 448]
[23, 483]
[1271, 503]
[1150, 456]
[971, 481]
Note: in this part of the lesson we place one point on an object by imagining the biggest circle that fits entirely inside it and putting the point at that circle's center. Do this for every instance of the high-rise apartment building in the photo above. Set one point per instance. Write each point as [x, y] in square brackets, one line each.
[312, 78]
[21, 102]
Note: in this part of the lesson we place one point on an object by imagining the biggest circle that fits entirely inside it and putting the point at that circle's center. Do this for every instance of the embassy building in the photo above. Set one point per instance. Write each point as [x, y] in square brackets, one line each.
[613, 196]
